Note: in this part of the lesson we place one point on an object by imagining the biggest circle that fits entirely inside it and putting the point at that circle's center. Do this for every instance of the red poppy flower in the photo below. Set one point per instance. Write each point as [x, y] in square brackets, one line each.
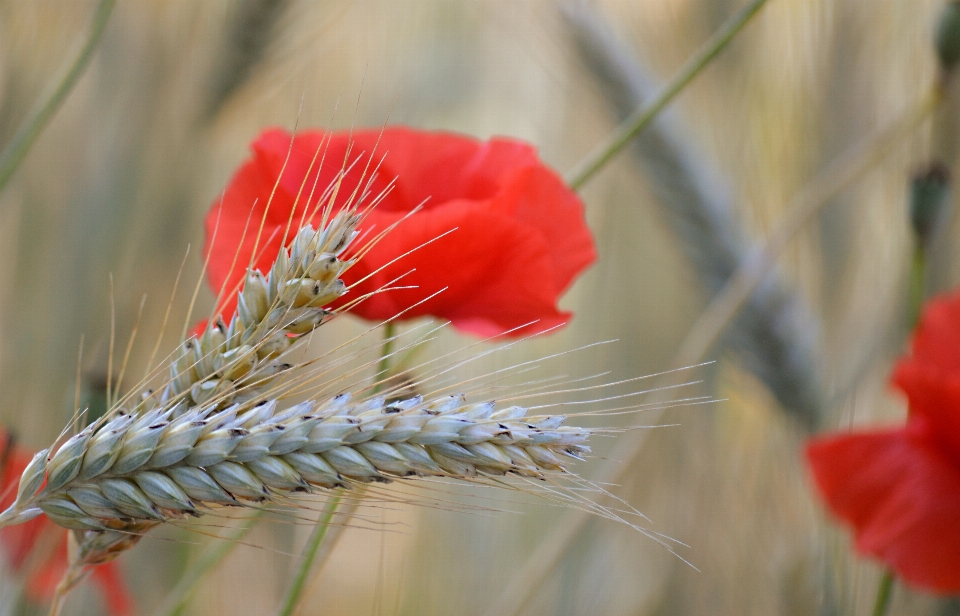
[18, 543]
[517, 237]
[900, 488]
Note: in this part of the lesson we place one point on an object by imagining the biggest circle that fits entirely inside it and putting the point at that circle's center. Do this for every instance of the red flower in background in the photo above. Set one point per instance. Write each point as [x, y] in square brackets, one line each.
[19, 543]
[900, 488]
[520, 237]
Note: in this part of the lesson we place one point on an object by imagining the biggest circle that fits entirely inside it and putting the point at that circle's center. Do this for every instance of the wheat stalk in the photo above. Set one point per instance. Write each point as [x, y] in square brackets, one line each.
[776, 336]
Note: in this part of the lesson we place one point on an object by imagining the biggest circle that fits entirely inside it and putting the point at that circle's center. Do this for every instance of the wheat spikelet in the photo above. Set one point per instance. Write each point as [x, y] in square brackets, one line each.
[273, 312]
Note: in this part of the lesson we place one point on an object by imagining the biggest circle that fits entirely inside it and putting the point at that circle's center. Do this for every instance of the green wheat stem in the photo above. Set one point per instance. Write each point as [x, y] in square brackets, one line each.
[308, 556]
[15, 151]
[918, 291]
[315, 541]
[643, 115]
[383, 368]
[884, 592]
[214, 553]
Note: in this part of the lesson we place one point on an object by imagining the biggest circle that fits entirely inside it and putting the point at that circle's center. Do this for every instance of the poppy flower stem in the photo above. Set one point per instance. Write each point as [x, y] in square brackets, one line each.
[918, 291]
[929, 212]
[319, 534]
[884, 592]
[15, 151]
[639, 119]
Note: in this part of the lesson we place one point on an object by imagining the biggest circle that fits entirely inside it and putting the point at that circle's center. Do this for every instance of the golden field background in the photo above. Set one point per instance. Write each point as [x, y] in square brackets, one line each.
[122, 177]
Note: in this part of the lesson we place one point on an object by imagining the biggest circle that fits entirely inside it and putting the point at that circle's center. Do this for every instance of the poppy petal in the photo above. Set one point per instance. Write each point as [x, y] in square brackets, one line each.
[902, 497]
[537, 197]
[113, 588]
[934, 398]
[937, 338]
[500, 279]
[520, 237]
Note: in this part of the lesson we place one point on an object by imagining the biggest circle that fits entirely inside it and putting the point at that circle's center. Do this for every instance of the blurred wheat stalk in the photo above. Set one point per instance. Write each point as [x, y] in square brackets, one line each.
[775, 333]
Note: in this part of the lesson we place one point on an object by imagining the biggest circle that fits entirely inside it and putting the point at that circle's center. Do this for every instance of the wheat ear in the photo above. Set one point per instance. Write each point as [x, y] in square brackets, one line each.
[236, 362]
[217, 433]
[221, 365]
[162, 466]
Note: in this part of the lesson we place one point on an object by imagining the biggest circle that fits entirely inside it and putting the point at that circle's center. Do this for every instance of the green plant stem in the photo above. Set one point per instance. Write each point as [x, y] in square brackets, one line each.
[212, 555]
[884, 592]
[383, 368]
[346, 510]
[15, 151]
[918, 277]
[639, 119]
[315, 541]
[309, 554]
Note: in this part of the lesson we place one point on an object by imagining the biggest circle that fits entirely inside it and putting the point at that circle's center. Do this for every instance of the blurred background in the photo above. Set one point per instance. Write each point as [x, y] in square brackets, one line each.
[119, 182]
